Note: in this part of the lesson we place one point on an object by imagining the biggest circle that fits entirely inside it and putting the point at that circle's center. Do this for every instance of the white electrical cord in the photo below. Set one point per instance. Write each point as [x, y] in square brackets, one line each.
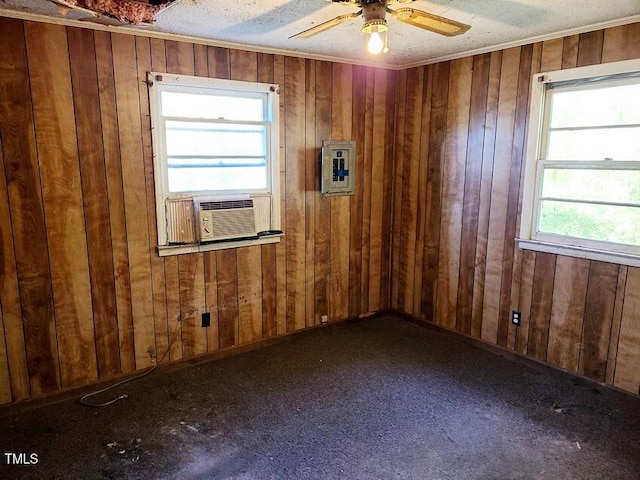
[144, 374]
[124, 395]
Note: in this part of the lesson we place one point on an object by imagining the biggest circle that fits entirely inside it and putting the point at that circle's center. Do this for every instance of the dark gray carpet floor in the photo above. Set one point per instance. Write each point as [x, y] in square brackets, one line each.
[375, 399]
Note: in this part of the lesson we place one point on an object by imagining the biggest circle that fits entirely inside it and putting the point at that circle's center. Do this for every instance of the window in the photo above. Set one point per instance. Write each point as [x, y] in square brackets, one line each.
[213, 140]
[582, 171]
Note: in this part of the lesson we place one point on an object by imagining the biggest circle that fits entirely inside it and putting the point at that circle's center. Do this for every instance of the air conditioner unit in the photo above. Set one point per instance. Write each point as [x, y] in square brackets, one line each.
[225, 219]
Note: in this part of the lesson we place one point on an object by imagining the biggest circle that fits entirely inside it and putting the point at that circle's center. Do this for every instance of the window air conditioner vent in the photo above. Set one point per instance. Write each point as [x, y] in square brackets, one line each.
[226, 219]
[226, 204]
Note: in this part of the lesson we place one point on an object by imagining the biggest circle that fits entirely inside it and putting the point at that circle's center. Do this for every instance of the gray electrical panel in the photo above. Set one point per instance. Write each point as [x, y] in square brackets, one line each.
[338, 167]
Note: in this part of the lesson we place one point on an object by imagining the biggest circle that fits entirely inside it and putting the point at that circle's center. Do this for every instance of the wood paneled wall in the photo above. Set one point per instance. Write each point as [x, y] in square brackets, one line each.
[461, 128]
[84, 296]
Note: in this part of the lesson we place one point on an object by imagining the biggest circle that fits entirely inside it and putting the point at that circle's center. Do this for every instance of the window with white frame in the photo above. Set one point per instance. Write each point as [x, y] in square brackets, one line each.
[215, 143]
[582, 170]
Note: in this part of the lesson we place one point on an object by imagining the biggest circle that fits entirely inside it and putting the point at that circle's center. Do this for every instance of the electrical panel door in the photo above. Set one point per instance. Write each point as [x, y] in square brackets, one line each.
[338, 167]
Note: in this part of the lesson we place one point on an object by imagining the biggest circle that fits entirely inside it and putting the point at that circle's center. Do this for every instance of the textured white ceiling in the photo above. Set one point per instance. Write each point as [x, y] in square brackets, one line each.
[267, 25]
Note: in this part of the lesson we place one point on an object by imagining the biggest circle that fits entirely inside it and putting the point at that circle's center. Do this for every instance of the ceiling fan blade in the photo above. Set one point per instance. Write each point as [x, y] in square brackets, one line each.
[327, 25]
[429, 21]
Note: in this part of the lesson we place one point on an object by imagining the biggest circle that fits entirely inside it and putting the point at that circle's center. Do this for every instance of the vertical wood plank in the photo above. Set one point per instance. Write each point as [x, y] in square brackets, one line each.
[281, 247]
[398, 257]
[117, 221]
[266, 67]
[269, 291]
[192, 303]
[200, 60]
[158, 55]
[14, 377]
[14, 346]
[439, 98]
[590, 48]
[227, 276]
[211, 299]
[529, 63]
[512, 260]
[541, 301]
[294, 102]
[62, 196]
[567, 312]
[570, 51]
[615, 324]
[379, 295]
[5, 379]
[218, 60]
[627, 374]
[180, 57]
[86, 102]
[341, 117]
[367, 176]
[524, 301]
[486, 180]
[174, 313]
[621, 43]
[472, 185]
[382, 177]
[171, 348]
[243, 65]
[151, 55]
[452, 193]
[552, 55]
[409, 199]
[322, 214]
[422, 190]
[311, 187]
[135, 199]
[500, 193]
[598, 317]
[249, 295]
[418, 247]
[357, 201]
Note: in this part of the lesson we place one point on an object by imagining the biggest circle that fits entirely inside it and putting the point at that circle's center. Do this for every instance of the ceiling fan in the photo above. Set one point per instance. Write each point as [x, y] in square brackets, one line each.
[375, 22]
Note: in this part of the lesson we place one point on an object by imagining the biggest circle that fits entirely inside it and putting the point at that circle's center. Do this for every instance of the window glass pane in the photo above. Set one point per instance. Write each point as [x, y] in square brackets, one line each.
[613, 105]
[215, 139]
[217, 178]
[594, 144]
[606, 223]
[620, 186]
[208, 105]
[222, 162]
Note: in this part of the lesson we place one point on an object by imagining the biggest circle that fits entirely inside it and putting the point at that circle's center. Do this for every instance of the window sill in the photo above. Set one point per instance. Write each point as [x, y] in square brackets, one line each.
[580, 252]
[167, 250]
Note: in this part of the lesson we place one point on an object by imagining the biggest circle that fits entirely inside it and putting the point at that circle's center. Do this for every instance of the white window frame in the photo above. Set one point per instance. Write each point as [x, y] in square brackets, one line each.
[159, 82]
[528, 237]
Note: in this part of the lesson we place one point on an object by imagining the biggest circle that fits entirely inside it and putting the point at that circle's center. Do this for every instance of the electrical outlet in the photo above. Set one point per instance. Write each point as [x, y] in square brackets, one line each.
[515, 318]
[324, 318]
[206, 319]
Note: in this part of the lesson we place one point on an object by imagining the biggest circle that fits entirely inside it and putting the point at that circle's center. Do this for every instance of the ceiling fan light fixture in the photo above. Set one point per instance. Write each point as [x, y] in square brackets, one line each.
[375, 28]
[374, 13]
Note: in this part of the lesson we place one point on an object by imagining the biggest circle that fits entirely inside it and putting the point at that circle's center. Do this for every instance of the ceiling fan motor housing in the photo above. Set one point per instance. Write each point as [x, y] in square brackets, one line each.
[374, 11]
